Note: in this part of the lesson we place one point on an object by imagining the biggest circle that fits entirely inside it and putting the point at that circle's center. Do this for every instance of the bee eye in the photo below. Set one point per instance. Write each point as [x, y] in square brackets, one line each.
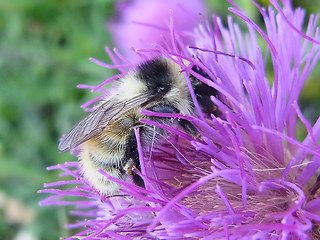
[164, 109]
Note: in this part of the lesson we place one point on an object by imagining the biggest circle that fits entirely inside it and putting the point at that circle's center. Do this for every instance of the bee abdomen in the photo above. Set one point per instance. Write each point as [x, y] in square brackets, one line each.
[104, 154]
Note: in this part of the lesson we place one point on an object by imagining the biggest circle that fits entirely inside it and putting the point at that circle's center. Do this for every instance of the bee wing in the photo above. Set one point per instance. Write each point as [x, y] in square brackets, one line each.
[97, 120]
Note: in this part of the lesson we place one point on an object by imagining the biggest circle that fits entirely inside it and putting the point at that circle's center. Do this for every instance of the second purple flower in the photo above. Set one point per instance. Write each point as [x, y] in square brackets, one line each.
[238, 173]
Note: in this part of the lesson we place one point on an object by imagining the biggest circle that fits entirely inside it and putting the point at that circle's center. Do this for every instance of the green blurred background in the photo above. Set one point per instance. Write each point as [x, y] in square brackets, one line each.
[44, 51]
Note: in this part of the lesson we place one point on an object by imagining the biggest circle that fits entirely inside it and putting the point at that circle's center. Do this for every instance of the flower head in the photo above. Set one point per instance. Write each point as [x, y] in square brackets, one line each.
[140, 23]
[247, 176]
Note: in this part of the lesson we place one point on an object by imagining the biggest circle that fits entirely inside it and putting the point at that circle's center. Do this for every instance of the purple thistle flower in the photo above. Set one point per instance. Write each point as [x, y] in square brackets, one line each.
[139, 23]
[247, 177]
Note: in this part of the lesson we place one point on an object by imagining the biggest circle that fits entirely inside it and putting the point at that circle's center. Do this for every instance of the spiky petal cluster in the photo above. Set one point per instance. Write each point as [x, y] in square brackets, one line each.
[247, 177]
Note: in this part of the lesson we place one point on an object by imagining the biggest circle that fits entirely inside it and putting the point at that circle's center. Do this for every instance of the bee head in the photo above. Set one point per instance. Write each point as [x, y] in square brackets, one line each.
[156, 75]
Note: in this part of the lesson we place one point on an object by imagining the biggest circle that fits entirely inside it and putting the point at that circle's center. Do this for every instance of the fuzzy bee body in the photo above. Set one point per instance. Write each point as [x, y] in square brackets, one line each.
[115, 151]
[106, 135]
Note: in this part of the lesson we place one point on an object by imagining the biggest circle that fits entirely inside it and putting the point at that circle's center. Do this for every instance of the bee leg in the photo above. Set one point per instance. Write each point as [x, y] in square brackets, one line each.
[137, 179]
[132, 160]
[188, 127]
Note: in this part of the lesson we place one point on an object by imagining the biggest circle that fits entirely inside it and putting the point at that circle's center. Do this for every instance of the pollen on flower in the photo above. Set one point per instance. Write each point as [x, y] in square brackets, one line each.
[245, 176]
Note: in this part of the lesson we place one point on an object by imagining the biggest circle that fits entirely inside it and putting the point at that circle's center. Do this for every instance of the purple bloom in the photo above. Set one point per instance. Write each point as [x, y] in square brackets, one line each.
[140, 23]
[247, 177]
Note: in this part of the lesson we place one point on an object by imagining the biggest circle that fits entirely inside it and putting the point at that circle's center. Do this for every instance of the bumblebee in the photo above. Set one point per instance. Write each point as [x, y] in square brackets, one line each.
[106, 136]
